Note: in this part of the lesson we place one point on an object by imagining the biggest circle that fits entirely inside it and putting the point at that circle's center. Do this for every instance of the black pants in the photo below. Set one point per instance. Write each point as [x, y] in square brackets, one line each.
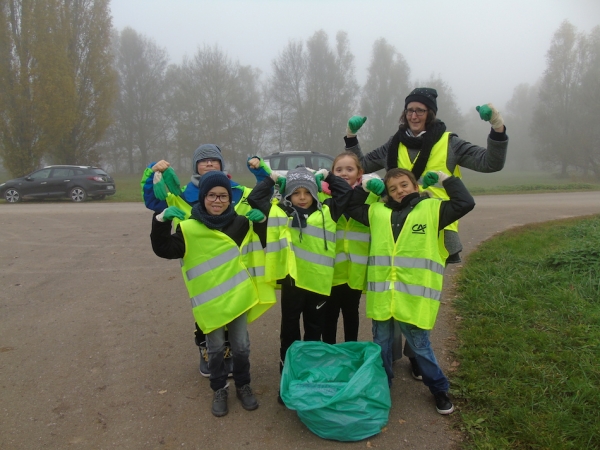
[296, 302]
[345, 299]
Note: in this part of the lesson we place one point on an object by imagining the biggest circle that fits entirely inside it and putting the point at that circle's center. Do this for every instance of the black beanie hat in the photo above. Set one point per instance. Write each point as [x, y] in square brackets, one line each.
[427, 96]
[211, 179]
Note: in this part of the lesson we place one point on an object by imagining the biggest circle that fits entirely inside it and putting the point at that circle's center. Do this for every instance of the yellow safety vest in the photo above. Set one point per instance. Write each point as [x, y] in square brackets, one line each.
[306, 254]
[437, 161]
[223, 280]
[312, 252]
[352, 251]
[277, 251]
[405, 277]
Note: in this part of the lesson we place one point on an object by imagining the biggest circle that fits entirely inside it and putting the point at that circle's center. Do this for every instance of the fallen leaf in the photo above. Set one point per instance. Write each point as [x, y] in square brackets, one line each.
[162, 392]
[401, 421]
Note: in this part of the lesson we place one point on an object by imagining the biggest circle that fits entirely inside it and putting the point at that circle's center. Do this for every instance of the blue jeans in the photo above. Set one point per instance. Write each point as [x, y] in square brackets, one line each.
[240, 346]
[418, 341]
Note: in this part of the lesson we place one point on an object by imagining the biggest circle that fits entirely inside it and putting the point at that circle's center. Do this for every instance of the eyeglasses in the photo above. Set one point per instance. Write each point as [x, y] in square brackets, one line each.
[205, 161]
[213, 197]
[419, 112]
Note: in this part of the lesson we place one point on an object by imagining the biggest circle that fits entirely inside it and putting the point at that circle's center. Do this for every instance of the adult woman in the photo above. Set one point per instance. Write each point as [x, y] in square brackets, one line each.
[422, 144]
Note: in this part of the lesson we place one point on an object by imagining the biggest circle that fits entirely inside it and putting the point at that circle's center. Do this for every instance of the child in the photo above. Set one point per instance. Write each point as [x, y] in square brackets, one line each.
[352, 251]
[406, 265]
[306, 251]
[222, 266]
[207, 158]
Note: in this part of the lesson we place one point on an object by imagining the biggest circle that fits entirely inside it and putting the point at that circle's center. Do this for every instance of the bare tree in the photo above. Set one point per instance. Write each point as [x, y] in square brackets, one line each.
[519, 115]
[383, 95]
[141, 124]
[21, 129]
[89, 82]
[557, 113]
[313, 93]
[448, 110]
[588, 100]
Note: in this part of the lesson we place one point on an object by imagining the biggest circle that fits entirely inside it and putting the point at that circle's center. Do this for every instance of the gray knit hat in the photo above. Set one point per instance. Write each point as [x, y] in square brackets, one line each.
[427, 96]
[207, 151]
[300, 177]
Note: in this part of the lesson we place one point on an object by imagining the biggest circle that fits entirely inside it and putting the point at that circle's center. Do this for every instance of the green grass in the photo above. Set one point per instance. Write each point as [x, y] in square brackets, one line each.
[507, 182]
[529, 339]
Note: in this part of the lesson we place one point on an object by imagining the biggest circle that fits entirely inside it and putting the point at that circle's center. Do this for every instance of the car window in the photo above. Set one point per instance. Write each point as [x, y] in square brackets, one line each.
[319, 162]
[275, 163]
[78, 172]
[62, 172]
[98, 172]
[293, 161]
[40, 174]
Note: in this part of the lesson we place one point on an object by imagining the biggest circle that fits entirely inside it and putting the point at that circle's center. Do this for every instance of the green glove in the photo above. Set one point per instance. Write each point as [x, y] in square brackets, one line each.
[172, 181]
[281, 183]
[262, 164]
[376, 186]
[159, 186]
[430, 179]
[485, 112]
[173, 212]
[355, 122]
[255, 215]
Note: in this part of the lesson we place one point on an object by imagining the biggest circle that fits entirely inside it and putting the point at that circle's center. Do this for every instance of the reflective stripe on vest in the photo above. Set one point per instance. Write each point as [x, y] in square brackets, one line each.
[312, 253]
[352, 250]
[411, 289]
[277, 250]
[437, 161]
[223, 280]
[254, 259]
[418, 263]
[405, 277]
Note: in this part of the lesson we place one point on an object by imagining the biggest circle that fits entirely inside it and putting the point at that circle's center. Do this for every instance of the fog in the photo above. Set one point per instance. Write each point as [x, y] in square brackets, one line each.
[483, 50]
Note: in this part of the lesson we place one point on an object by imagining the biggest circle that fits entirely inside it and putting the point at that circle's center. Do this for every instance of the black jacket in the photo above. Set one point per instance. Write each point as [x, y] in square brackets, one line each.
[172, 246]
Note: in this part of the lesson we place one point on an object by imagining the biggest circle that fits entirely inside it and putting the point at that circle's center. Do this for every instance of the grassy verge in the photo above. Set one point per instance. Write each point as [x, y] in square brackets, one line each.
[128, 186]
[529, 338]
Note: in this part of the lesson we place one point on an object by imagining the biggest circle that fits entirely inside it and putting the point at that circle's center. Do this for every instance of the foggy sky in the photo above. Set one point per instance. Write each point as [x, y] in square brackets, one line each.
[483, 50]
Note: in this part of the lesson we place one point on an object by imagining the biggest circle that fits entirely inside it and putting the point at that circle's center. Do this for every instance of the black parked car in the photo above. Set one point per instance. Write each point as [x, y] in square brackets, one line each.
[74, 182]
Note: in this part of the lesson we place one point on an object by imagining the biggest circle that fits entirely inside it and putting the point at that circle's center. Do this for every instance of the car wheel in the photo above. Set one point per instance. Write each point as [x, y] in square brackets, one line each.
[78, 194]
[99, 197]
[12, 195]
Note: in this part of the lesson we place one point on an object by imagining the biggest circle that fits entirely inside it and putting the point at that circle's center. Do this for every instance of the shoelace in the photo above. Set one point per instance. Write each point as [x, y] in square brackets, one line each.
[221, 394]
[245, 390]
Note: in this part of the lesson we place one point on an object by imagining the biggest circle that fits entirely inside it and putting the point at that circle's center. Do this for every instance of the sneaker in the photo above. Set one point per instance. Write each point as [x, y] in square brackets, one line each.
[247, 398]
[414, 369]
[228, 360]
[219, 404]
[443, 405]
[203, 360]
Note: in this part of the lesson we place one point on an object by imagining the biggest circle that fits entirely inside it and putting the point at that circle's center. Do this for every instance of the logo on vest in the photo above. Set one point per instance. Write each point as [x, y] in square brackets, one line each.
[419, 228]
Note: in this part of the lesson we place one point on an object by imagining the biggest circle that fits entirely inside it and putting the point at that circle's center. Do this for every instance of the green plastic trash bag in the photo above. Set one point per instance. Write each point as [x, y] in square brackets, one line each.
[339, 391]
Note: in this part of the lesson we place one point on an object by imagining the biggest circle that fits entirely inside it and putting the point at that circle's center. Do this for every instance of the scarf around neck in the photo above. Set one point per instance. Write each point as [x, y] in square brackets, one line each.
[213, 222]
[423, 143]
